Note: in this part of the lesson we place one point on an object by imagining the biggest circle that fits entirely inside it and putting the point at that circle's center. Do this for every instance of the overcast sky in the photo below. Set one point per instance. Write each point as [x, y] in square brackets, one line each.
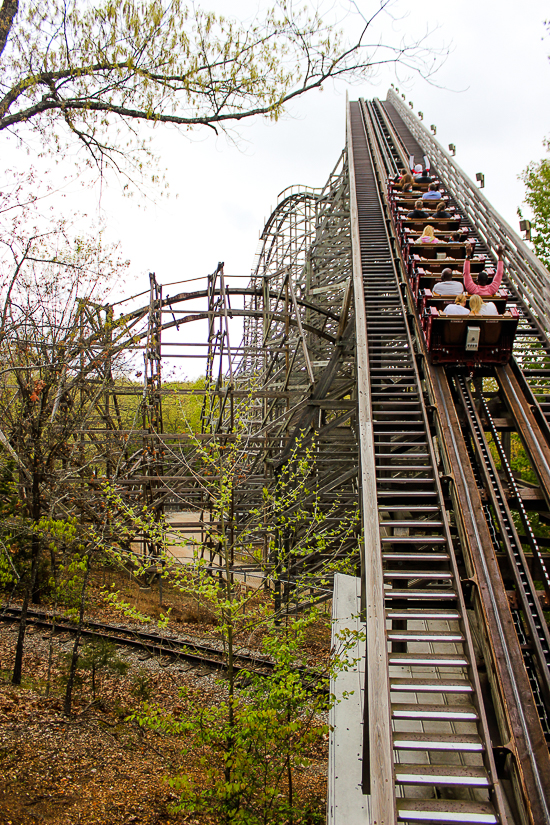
[490, 98]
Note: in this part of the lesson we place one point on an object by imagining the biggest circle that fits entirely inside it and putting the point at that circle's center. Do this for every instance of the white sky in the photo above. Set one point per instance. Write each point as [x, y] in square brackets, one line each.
[491, 100]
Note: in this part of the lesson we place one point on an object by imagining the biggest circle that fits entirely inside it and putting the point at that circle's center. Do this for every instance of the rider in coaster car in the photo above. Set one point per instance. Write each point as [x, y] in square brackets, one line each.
[459, 307]
[441, 211]
[428, 235]
[433, 193]
[421, 175]
[482, 287]
[446, 285]
[406, 183]
[417, 212]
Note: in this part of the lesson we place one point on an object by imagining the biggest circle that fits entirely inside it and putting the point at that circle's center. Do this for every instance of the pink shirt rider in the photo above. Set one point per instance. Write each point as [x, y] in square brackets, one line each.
[484, 291]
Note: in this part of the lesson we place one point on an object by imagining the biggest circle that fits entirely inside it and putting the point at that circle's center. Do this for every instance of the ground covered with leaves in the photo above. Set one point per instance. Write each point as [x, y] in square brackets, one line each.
[98, 766]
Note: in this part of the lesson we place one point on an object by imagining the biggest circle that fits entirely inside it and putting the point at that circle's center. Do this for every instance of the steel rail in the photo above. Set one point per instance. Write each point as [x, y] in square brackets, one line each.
[392, 161]
[526, 432]
[377, 752]
[519, 720]
[533, 429]
[197, 653]
[533, 614]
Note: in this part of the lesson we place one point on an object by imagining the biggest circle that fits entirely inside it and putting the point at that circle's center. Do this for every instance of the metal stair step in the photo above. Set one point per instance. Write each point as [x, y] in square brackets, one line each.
[412, 539]
[413, 508]
[430, 685]
[418, 574]
[406, 481]
[425, 595]
[466, 713]
[445, 811]
[407, 523]
[452, 742]
[423, 615]
[428, 659]
[464, 775]
[428, 557]
[424, 636]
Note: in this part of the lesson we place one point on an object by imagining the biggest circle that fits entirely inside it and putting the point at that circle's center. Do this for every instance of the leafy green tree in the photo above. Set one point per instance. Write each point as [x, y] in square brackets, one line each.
[251, 743]
[536, 178]
[281, 538]
[91, 70]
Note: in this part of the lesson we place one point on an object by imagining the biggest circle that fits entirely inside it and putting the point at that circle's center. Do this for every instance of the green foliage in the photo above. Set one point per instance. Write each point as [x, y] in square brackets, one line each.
[114, 600]
[97, 658]
[66, 583]
[181, 412]
[249, 745]
[536, 178]
[64, 563]
[142, 687]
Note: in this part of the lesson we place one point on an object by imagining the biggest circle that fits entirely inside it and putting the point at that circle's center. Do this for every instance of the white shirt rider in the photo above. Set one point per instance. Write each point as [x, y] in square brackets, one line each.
[448, 287]
[456, 309]
[488, 309]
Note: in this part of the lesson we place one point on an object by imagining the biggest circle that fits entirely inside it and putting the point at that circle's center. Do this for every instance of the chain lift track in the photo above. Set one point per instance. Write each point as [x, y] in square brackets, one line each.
[519, 676]
[444, 768]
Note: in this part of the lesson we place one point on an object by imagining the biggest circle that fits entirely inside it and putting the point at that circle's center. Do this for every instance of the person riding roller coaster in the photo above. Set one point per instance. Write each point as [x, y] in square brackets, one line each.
[417, 213]
[441, 210]
[433, 193]
[428, 235]
[483, 287]
[446, 285]
[422, 175]
[459, 307]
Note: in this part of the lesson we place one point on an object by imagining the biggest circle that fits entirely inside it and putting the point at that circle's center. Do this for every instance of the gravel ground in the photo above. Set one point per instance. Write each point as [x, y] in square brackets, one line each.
[97, 768]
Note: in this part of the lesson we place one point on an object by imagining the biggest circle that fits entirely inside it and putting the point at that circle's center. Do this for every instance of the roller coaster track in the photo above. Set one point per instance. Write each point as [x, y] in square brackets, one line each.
[430, 664]
[443, 580]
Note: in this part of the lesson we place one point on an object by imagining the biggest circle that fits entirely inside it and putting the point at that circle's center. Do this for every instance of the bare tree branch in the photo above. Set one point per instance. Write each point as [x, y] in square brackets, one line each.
[88, 72]
[7, 13]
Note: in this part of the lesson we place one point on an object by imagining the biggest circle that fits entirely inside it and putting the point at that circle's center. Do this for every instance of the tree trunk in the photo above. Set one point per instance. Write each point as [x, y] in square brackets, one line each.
[50, 657]
[74, 658]
[18, 664]
[35, 557]
[289, 779]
